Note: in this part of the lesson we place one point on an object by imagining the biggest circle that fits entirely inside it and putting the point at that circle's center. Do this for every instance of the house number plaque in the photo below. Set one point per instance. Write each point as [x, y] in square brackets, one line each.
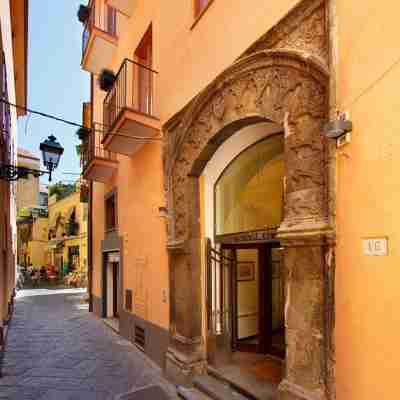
[375, 247]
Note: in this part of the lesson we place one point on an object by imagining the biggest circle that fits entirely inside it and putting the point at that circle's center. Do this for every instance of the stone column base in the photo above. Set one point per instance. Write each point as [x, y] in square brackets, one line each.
[182, 372]
[291, 391]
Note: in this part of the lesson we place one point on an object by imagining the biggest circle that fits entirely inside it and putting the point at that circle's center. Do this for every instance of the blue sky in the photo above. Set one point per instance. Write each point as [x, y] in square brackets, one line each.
[56, 84]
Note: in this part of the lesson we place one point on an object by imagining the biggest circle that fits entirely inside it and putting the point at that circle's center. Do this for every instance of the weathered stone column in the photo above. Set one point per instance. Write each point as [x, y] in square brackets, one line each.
[186, 354]
[304, 235]
[305, 319]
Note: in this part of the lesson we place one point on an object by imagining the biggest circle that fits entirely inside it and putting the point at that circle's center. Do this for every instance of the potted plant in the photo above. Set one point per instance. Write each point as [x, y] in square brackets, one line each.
[83, 13]
[82, 133]
[106, 80]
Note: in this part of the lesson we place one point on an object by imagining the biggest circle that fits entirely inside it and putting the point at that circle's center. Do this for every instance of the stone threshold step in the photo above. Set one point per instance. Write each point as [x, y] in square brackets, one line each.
[216, 374]
[217, 389]
[191, 394]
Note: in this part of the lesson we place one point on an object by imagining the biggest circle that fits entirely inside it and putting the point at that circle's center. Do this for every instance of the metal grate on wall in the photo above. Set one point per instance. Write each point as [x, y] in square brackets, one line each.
[140, 336]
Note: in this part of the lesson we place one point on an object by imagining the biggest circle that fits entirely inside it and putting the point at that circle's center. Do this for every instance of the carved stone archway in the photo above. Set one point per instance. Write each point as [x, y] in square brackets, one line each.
[288, 87]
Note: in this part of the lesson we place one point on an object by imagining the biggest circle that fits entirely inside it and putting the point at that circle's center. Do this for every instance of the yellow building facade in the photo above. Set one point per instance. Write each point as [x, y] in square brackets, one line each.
[223, 221]
[31, 216]
[67, 233]
[32, 229]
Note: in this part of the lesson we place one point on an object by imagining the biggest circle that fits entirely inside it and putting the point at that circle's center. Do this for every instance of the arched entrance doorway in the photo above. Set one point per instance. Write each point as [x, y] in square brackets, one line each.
[241, 193]
[291, 91]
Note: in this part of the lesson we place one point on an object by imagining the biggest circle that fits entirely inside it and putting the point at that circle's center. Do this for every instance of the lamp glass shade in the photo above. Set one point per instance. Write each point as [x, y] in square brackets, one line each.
[51, 152]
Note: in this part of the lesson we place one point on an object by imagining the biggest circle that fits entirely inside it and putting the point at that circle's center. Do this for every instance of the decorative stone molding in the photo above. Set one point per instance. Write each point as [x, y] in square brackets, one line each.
[305, 29]
[283, 87]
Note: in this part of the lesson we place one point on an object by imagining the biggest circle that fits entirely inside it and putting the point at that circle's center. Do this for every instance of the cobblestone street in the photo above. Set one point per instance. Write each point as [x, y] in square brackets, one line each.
[57, 350]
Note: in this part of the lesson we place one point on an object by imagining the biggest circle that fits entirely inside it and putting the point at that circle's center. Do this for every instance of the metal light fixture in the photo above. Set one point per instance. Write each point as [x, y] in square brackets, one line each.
[51, 151]
[338, 127]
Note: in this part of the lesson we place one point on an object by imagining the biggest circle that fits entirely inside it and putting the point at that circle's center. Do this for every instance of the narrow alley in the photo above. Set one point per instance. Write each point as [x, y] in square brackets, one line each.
[57, 350]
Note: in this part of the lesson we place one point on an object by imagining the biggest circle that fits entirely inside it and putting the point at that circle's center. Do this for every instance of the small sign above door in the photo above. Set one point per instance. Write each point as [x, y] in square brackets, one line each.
[375, 247]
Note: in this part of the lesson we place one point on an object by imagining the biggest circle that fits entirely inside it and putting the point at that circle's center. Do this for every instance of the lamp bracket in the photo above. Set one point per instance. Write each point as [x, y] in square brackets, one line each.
[12, 173]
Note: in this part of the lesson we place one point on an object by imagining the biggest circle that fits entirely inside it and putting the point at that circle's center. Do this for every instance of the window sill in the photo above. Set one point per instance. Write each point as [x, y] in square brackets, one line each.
[198, 17]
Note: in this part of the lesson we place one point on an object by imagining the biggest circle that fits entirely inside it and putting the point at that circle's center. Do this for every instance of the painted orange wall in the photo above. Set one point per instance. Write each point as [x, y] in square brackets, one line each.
[368, 196]
[139, 185]
[187, 60]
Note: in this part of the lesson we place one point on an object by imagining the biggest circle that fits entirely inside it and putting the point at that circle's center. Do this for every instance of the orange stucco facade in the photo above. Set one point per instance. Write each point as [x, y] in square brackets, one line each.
[189, 54]
[367, 196]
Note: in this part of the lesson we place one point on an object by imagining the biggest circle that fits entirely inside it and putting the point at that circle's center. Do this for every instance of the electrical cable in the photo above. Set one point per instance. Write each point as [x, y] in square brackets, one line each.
[77, 125]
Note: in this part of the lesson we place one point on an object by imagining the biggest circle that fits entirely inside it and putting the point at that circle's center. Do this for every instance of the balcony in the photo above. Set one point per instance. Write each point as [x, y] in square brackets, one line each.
[99, 39]
[98, 164]
[129, 115]
[123, 6]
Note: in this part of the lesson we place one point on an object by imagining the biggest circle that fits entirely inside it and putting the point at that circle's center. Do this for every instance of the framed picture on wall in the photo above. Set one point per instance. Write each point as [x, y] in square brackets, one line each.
[246, 271]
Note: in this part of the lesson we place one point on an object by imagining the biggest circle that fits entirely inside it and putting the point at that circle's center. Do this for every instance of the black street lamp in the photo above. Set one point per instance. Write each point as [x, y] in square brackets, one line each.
[51, 152]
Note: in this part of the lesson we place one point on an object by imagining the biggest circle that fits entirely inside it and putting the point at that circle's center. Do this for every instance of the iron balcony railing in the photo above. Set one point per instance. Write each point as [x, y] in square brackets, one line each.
[103, 17]
[134, 89]
[92, 147]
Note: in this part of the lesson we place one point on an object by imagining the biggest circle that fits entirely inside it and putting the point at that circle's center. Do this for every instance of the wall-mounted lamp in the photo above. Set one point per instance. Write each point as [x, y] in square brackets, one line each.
[338, 127]
[51, 152]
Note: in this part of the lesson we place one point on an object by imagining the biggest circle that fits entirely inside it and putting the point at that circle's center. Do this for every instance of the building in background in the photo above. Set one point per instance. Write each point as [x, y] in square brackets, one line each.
[31, 216]
[67, 234]
[28, 188]
[32, 228]
[246, 243]
[13, 87]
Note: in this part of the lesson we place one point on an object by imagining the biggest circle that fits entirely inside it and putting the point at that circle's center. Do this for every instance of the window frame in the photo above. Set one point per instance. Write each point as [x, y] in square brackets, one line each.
[197, 13]
[108, 197]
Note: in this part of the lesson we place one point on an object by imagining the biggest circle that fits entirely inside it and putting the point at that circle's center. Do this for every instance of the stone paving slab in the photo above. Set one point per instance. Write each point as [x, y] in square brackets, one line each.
[57, 350]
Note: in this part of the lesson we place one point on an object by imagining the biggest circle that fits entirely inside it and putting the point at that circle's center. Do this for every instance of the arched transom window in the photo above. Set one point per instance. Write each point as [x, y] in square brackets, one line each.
[249, 193]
